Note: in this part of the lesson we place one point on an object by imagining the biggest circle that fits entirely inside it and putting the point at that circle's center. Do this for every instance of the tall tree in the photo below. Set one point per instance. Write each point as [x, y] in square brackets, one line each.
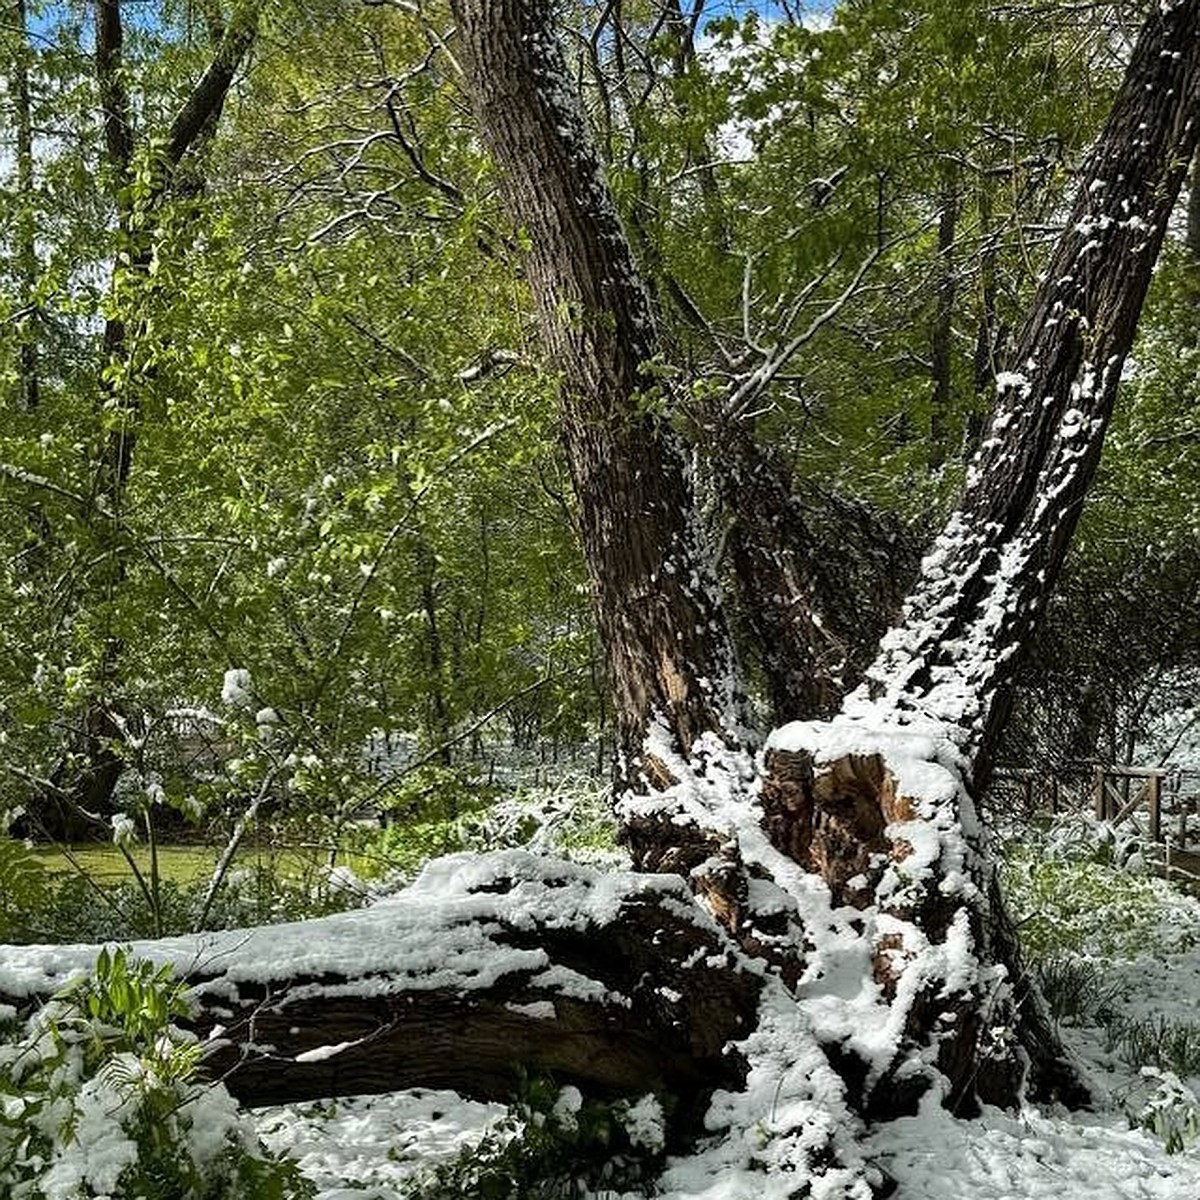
[670, 657]
[845, 799]
[26, 221]
[85, 779]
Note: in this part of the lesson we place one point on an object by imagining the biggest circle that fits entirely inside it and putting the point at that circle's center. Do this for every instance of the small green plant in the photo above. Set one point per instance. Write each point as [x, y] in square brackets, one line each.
[1076, 991]
[101, 1096]
[1158, 1044]
[1170, 1110]
[1080, 906]
[554, 1145]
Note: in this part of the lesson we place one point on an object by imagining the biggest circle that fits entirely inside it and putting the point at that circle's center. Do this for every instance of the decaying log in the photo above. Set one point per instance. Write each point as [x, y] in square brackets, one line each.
[488, 965]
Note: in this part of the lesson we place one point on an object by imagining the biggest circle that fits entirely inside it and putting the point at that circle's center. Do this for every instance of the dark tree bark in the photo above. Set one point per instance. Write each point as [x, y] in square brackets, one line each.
[999, 557]
[26, 224]
[619, 986]
[943, 325]
[669, 653]
[941, 686]
[875, 802]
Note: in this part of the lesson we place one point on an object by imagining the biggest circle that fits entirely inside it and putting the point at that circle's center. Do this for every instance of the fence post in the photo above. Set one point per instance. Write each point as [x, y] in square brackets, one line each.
[1155, 785]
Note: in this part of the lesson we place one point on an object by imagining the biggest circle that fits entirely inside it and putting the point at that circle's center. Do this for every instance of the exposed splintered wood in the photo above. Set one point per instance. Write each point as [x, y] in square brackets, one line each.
[899, 851]
[488, 966]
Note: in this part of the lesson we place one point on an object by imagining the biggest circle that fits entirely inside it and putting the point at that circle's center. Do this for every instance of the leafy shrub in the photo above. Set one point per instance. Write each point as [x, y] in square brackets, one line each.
[25, 893]
[572, 818]
[100, 1096]
[554, 1145]
[1156, 1043]
[1073, 906]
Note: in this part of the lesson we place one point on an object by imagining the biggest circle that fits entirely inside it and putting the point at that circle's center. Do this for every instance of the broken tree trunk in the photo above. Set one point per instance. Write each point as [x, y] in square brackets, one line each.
[616, 983]
[878, 801]
[856, 872]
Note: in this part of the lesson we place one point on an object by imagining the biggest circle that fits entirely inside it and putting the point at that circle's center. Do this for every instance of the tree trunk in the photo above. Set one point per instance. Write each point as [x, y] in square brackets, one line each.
[93, 764]
[26, 223]
[998, 558]
[669, 654]
[614, 983]
[861, 849]
[877, 801]
[941, 343]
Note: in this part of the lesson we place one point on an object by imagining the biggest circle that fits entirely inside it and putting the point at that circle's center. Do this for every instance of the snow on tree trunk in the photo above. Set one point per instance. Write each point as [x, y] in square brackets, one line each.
[668, 649]
[855, 869]
[878, 801]
[614, 982]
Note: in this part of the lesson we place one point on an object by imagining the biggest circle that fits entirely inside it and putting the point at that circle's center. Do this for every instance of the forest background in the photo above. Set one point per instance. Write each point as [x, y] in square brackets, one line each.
[287, 524]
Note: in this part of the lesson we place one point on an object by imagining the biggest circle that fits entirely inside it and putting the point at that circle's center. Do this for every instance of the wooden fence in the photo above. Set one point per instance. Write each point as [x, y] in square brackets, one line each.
[1169, 798]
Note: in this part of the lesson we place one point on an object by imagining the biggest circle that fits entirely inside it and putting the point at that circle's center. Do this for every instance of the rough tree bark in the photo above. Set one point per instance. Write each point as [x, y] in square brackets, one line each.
[506, 959]
[944, 676]
[852, 881]
[875, 803]
[670, 658]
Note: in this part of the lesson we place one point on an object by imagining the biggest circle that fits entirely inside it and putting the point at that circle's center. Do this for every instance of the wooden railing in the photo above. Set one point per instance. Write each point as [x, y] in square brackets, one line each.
[1115, 793]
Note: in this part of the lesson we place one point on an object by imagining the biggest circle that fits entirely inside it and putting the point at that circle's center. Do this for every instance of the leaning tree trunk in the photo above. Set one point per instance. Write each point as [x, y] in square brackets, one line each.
[669, 654]
[879, 801]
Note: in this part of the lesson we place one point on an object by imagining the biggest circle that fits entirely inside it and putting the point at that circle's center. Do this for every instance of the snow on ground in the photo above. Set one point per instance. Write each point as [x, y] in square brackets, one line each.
[375, 1147]
[1028, 1156]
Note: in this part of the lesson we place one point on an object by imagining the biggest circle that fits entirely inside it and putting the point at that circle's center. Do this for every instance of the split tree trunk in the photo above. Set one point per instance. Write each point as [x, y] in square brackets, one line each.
[875, 803]
[878, 801]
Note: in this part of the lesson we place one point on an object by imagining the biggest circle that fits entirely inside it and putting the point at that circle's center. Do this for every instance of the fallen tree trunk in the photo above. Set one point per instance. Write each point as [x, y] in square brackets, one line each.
[617, 983]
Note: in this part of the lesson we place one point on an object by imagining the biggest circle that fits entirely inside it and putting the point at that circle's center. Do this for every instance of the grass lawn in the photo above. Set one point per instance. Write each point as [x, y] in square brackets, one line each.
[183, 864]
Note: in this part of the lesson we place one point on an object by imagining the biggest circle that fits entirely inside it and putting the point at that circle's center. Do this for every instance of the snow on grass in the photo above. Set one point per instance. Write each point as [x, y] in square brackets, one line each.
[376, 1147]
[1029, 1156]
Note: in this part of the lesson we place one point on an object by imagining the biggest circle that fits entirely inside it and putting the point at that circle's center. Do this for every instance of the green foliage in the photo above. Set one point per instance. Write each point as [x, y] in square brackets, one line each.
[100, 1095]
[1156, 1042]
[572, 817]
[25, 894]
[551, 1145]
[1077, 991]
[1072, 906]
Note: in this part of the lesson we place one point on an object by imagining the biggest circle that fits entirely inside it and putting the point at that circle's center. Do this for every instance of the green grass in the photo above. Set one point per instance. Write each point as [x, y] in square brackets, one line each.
[105, 863]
